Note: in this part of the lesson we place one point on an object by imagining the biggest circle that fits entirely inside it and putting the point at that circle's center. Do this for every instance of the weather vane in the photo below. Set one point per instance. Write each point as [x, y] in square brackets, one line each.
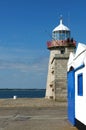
[61, 16]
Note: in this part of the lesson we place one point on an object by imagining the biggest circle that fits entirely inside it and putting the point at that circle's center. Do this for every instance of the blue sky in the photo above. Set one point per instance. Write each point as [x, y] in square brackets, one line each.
[25, 27]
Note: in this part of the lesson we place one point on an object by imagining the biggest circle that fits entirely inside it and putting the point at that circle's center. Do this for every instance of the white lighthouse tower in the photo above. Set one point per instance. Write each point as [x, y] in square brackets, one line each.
[60, 47]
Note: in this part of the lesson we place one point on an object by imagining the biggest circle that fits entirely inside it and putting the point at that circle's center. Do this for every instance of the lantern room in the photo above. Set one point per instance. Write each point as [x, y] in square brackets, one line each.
[61, 32]
[61, 36]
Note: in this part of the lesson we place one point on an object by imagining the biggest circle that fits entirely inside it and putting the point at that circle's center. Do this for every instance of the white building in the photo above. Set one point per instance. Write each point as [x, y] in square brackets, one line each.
[77, 85]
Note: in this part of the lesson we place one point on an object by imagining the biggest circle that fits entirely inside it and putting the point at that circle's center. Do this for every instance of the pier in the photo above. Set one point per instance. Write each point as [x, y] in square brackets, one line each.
[33, 114]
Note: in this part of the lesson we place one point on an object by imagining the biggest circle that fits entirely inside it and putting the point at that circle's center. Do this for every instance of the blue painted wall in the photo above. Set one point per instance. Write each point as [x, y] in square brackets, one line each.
[71, 96]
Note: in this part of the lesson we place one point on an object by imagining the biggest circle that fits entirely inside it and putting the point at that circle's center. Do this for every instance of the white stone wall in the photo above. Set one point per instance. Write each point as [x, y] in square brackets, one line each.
[76, 60]
[56, 87]
[50, 76]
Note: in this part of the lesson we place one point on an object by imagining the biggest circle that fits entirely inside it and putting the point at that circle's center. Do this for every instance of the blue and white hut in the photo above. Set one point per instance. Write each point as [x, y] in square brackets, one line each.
[76, 75]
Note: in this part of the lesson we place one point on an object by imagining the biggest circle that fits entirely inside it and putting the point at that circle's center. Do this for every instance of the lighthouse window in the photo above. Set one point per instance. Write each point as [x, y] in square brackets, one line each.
[62, 51]
[67, 34]
[55, 35]
[80, 85]
[61, 35]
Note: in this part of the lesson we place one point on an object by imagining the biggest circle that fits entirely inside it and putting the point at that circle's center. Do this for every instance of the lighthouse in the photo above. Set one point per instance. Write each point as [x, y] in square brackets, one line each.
[60, 47]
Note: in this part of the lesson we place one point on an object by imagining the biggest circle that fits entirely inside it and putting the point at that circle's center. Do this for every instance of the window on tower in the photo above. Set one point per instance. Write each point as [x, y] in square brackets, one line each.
[62, 50]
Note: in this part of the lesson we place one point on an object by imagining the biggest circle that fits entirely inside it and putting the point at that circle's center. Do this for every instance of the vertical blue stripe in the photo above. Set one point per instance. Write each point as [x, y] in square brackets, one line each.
[71, 96]
[80, 84]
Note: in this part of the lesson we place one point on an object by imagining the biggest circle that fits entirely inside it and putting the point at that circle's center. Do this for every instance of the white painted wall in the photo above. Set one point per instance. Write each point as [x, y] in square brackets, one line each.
[80, 101]
[76, 60]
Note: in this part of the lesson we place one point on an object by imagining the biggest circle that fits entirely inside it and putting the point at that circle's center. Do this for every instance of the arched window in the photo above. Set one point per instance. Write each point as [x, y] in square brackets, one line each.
[71, 68]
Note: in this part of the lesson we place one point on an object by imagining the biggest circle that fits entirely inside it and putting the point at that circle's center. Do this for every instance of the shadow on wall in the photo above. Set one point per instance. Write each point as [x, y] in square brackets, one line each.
[79, 125]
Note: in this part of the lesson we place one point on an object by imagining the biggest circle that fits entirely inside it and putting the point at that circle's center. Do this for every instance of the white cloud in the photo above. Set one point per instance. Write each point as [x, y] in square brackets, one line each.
[23, 60]
[23, 68]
